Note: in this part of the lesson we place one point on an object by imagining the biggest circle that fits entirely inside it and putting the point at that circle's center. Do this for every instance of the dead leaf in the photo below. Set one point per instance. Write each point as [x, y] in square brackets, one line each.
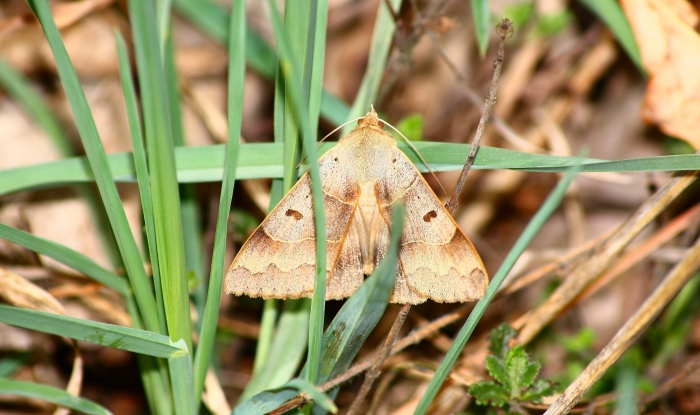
[670, 51]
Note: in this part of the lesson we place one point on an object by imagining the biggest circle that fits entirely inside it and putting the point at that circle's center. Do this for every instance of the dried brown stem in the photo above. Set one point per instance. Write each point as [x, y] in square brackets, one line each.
[504, 29]
[373, 373]
[689, 369]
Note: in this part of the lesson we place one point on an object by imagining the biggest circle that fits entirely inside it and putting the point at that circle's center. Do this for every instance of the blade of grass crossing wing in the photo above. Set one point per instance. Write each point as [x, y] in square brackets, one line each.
[100, 168]
[382, 38]
[480, 11]
[236, 79]
[166, 197]
[269, 314]
[523, 241]
[50, 394]
[124, 338]
[141, 168]
[274, 366]
[290, 69]
[360, 314]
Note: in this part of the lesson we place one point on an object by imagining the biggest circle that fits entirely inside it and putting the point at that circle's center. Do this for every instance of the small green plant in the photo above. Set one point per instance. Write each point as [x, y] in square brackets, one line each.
[514, 375]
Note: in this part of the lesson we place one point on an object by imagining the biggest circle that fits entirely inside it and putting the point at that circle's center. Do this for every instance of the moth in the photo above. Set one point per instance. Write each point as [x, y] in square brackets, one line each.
[362, 177]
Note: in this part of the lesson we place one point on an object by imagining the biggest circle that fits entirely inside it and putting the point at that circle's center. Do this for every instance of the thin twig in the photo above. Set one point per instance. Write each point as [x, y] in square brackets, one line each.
[374, 371]
[503, 29]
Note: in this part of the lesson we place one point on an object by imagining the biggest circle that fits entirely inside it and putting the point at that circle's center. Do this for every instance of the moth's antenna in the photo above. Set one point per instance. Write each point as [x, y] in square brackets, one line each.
[420, 156]
[328, 135]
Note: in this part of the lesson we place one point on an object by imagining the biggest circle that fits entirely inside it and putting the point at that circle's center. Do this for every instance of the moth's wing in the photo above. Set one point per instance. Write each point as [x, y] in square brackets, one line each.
[341, 197]
[402, 294]
[279, 258]
[346, 276]
[437, 259]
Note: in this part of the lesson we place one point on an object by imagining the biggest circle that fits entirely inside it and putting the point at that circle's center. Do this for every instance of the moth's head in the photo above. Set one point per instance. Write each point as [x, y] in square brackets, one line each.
[371, 119]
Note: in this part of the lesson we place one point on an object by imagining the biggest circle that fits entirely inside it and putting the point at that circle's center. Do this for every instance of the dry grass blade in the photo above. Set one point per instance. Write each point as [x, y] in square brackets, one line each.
[22, 293]
[587, 271]
[657, 301]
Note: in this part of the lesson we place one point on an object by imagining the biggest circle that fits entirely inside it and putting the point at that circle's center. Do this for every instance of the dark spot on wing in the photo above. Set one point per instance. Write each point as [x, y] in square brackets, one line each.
[430, 215]
[294, 213]
[393, 161]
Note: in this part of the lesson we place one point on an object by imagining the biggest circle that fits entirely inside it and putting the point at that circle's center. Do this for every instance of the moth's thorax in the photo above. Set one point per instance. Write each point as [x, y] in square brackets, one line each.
[367, 151]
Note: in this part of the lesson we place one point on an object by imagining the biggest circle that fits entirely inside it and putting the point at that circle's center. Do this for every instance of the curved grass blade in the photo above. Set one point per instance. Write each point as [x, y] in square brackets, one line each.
[51, 394]
[110, 335]
[544, 212]
[264, 160]
[270, 400]
[21, 90]
[99, 167]
[235, 114]
[382, 39]
[66, 256]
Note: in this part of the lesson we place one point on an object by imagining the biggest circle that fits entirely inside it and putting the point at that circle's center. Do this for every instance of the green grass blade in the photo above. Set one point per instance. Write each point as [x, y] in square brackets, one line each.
[181, 379]
[614, 18]
[360, 314]
[20, 90]
[9, 365]
[362, 311]
[315, 58]
[291, 71]
[66, 256]
[544, 212]
[267, 401]
[140, 164]
[236, 79]
[166, 196]
[50, 394]
[99, 167]
[264, 160]
[110, 335]
[212, 19]
[285, 351]
[480, 11]
[382, 38]
[163, 13]
[316, 395]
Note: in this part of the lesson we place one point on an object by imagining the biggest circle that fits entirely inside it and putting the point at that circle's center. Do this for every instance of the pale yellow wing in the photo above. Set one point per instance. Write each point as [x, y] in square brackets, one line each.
[436, 258]
[278, 260]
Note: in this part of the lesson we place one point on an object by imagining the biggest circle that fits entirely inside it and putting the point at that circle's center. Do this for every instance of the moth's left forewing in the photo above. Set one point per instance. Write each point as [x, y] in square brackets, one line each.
[437, 259]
